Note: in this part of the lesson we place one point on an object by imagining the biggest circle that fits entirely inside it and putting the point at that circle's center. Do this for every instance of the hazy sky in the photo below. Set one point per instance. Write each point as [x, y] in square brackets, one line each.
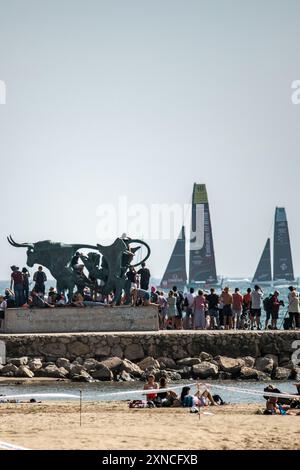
[141, 99]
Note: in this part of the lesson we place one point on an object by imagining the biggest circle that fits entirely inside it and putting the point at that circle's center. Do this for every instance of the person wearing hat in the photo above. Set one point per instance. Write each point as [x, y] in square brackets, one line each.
[16, 283]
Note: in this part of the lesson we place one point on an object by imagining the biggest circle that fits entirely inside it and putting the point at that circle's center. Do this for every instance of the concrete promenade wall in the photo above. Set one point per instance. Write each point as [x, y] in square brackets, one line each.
[137, 345]
[74, 319]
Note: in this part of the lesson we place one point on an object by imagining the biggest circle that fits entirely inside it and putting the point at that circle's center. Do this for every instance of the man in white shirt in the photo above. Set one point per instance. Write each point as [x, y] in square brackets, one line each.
[256, 304]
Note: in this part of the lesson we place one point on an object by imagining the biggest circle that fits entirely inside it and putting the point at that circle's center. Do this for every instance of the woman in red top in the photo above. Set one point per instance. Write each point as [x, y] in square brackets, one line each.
[150, 385]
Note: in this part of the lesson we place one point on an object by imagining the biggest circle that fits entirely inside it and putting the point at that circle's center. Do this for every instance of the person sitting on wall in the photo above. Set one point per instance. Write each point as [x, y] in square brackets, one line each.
[61, 301]
[77, 300]
[3, 306]
[10, 298]
[140, 297]
[52, 296]
[38, 300]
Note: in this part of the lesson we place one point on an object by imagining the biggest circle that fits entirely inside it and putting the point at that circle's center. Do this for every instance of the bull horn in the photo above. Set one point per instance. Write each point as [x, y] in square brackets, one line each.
[18, 245]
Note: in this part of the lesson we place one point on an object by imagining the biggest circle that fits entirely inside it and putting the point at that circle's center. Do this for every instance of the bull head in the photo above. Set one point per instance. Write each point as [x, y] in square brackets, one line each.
[29, 246]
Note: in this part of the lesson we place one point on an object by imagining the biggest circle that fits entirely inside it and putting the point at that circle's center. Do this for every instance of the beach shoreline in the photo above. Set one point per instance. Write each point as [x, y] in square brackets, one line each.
[112, 425]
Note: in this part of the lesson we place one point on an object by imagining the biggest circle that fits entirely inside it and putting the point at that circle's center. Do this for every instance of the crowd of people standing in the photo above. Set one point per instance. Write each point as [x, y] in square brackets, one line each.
[227, 310]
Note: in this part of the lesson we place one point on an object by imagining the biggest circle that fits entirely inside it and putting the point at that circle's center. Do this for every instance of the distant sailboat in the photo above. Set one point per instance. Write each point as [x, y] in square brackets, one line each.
[263, 273]
[175, 274]
[282, 262]
[202, 255]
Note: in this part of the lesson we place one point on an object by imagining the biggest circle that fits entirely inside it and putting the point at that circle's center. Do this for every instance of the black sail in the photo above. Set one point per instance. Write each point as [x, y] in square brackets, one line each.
[202, 256]
[283, 264]
[263, 272]
[175, 274]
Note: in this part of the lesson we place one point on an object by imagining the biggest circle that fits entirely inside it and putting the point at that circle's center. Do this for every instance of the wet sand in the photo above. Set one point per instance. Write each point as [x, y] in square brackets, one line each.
[112, 425]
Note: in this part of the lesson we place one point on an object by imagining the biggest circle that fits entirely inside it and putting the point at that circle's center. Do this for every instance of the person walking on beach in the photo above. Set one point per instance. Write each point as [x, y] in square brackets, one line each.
[237, 307]
[294, 308]
[145, 275]
[40, 278]
[227, 309]
[26, 276]
[256, 304]
[16, 284]
[199, 311]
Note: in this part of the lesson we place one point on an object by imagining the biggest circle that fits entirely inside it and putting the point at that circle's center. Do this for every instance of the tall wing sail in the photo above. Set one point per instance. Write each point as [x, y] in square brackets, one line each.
[283, 264]
[202, 256]
[263, 272]
[175, 274]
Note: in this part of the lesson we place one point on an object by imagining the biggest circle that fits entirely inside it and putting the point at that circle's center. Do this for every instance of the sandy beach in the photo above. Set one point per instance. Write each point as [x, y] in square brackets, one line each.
[113, 425]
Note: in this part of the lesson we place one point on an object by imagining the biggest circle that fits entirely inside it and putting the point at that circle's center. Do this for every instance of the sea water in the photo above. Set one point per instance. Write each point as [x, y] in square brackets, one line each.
[108, 391]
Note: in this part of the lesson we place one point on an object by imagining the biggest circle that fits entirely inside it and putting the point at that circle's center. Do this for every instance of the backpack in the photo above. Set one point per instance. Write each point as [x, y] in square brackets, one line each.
[268, 303]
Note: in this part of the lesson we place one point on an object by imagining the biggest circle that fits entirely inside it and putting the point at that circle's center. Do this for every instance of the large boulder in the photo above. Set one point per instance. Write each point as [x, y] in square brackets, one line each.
[189, 361]
[115, 364]
[125, 377]
[91, 364]
[185, 372]
[24, 371]
[76, 369]
[9, 370]
[204, 356]
[282, 373]
[55, 372]
[149, 363]
[132, 369]
[248, 373]
[274, 358]
[169, 374]
[63, 362]
[84, 376]
[102, 373]
[134, 352]
[249, 361]
[166, 363]
[225, 375]
[35, 364]
[264, 364]
[230, 365]
[297, 374]
[262, 376]
[18, 361]
[204, 370]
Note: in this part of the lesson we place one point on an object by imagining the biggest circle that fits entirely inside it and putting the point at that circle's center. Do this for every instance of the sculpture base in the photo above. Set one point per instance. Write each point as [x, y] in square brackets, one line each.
[80, 320]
